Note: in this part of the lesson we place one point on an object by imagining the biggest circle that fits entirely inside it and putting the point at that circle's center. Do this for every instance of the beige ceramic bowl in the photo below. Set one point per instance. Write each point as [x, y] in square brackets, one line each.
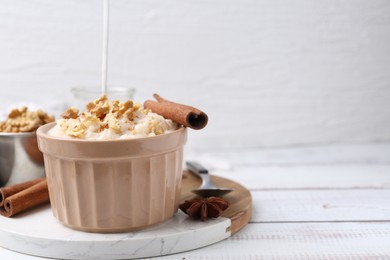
[116, 185]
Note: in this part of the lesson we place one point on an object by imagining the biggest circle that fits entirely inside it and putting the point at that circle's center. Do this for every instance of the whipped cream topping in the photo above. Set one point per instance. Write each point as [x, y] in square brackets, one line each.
[109, 120]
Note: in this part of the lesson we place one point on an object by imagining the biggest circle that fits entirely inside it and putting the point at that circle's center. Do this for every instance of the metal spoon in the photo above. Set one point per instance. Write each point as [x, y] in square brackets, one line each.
[207, 188]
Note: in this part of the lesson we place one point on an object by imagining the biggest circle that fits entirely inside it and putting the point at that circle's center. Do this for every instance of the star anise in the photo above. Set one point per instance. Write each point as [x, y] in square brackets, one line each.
[204, 208]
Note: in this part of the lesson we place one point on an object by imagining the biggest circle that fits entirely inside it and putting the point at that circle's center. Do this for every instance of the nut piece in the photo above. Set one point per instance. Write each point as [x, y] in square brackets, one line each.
[100, 107]
[77, 130]
[125, 106]
[156, 128]
[71, 112]
[16, 112]
[113, 123]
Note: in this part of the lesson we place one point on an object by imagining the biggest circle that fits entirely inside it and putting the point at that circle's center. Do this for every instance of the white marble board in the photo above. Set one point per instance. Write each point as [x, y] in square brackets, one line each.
[38, 233]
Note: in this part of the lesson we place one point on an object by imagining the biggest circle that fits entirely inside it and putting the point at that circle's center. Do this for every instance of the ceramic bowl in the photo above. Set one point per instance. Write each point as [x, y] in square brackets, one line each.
[113, 185]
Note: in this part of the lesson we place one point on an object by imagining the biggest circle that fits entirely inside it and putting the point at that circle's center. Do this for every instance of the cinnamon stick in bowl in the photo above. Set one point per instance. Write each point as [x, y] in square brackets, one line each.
[182, 114]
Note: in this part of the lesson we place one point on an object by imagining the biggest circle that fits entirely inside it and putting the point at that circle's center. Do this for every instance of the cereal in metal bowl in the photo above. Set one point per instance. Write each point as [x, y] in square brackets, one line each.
[20, 158]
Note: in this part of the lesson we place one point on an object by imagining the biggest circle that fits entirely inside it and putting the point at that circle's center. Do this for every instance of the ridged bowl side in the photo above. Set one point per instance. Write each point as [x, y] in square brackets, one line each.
[115, 196]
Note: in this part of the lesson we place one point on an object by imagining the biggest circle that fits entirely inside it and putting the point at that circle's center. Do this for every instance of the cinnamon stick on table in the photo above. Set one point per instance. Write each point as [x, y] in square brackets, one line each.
[13, 189]
[35, 195]
[182, 114]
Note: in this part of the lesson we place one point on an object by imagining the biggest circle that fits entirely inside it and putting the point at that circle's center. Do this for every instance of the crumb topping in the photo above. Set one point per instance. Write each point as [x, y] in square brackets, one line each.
[22, 120]
[105, 119]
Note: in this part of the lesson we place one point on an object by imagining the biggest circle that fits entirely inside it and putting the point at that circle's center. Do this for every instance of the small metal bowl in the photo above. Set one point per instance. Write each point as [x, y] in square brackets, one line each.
[20, 158]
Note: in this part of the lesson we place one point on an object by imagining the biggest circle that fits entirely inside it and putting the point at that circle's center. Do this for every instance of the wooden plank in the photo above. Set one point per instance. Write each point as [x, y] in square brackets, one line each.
[301, 241]
[310, 176]
[371, 153]
[321, 205]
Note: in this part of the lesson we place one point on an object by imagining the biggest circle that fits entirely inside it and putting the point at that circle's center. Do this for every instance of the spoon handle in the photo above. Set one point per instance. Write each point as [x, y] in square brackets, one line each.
[198, 169]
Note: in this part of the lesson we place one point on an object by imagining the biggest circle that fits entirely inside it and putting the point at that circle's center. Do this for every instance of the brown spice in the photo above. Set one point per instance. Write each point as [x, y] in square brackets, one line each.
[204, 208]
[25, 199]
[182, 114]
[8, 191]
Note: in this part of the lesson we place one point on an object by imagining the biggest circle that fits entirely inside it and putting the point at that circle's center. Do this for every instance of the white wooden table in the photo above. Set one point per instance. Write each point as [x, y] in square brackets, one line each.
[322, 202]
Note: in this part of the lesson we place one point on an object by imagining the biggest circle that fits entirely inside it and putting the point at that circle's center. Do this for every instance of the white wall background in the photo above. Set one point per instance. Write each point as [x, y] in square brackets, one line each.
[268, 72]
